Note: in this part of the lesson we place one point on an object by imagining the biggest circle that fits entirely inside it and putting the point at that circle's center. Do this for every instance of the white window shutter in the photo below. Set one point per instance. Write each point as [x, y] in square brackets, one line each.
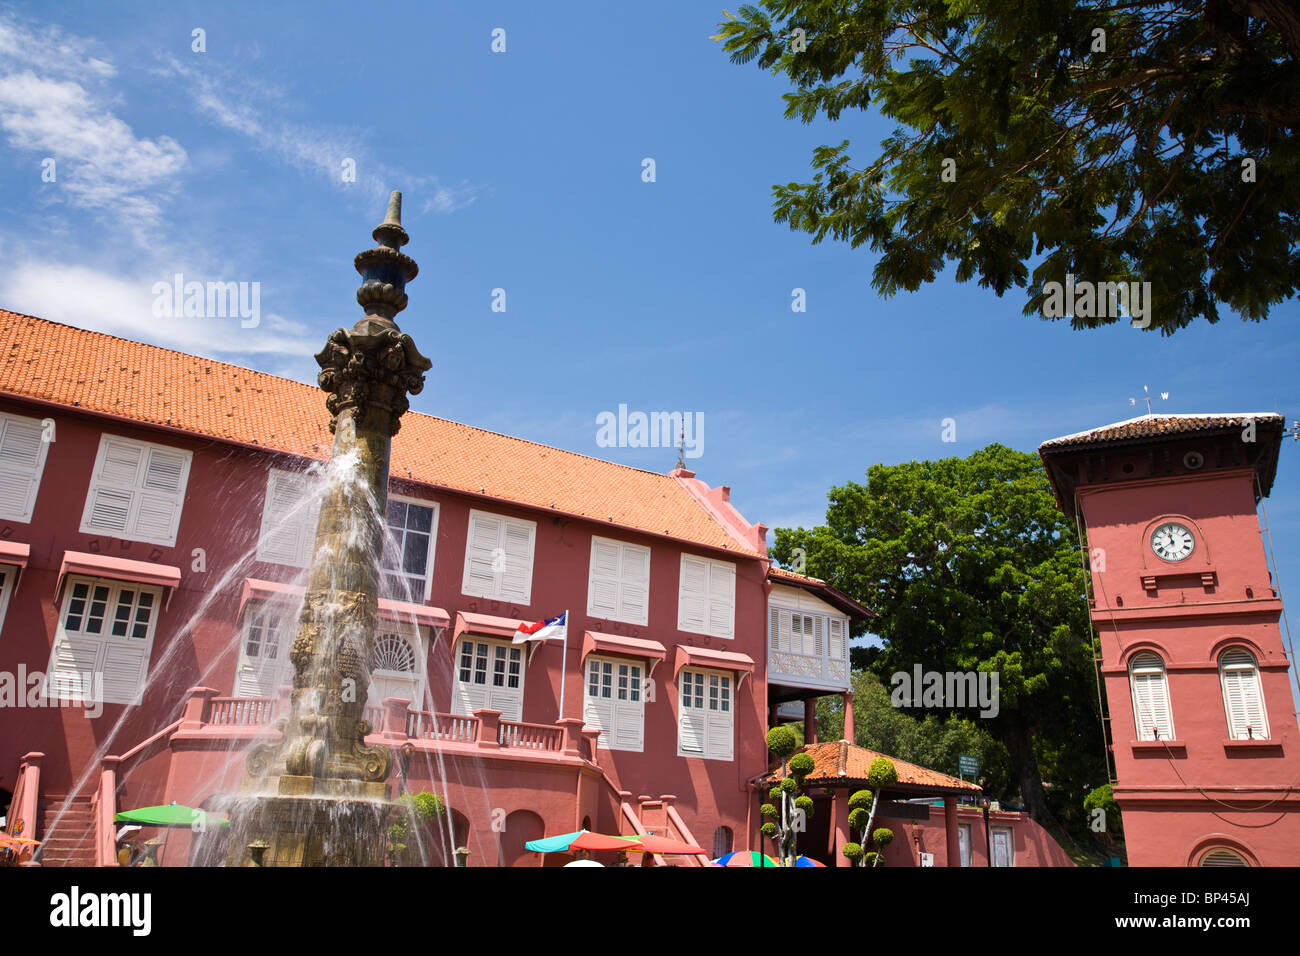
[22, 460]
[603, 596]
[691, 731]
[1150, 690]
[837, 639]
[774, 628]
[692, 597]
[289, 519]
[629, 725]
[1242, 698]
[124, 670]
[634, 584]
[484, 538]
[516, 581]
[73, 661]
[720, 735]
[722, 598]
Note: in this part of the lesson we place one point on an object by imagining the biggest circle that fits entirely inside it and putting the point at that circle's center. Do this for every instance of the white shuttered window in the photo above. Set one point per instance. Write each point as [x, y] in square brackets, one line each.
[137, 490]
[499, 558]
[1243, 701]
[615, 703]
[1151, 711]
[618, 587]
[489, 676]
[706, 716]
[22, 460]
[706, 598]
[289, 516]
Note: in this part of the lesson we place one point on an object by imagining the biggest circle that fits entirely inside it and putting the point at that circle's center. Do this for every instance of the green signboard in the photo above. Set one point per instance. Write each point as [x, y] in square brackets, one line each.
[968, 764]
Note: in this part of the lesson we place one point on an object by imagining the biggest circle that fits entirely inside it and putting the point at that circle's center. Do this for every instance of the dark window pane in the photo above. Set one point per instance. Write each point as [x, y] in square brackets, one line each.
[419, 519]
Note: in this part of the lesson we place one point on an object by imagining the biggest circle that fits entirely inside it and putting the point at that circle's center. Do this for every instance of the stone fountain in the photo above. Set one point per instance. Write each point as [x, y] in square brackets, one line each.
[317, 796]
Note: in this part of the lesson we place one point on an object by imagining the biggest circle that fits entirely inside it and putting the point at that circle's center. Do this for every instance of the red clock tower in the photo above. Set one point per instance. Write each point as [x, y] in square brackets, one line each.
[1201, 724]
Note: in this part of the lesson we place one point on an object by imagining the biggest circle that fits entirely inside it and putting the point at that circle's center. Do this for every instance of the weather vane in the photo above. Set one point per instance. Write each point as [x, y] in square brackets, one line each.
[1164, 396]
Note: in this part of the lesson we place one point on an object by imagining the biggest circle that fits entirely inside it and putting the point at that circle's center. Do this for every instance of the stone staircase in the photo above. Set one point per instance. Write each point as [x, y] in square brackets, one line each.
[71, 841]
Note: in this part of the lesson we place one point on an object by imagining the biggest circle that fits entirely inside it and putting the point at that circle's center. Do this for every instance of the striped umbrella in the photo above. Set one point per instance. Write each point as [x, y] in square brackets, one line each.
[651, 843]
[582, 840]
[745, 858]
[807, 861]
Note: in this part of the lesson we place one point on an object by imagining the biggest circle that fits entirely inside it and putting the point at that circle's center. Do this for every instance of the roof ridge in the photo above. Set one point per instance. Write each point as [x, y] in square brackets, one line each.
[293, 381]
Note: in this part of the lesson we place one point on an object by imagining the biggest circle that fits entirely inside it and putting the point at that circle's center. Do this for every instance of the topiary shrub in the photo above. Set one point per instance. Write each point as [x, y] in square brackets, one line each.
[789, 785]
[805, 804]
[873, 859]
[859, 818]
[882, 773]
[769, 811]
[768, 830]
[781, 741]
[852, 852]
[774, 794]
[802, 764]
[860, 800]
[882, 837]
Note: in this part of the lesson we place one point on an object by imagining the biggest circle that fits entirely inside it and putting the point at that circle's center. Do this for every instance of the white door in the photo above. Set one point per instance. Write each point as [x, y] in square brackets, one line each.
[963, 838]
[264, 664]
[1002, 853]
[395, 671]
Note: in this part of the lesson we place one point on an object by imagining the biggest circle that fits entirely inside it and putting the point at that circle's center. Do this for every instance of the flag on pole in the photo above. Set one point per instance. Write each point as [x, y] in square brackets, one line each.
[540, 631]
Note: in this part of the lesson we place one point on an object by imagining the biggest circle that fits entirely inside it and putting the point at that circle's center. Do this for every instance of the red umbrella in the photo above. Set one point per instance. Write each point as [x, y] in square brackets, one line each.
[651, 843]
[598, 841]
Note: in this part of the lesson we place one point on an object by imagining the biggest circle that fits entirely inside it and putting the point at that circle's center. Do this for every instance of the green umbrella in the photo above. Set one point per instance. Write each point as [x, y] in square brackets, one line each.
[172, 815]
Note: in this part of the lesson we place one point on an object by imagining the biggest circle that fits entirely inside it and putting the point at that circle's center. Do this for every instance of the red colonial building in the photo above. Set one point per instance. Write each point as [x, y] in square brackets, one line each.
[156, 520]
[1201, 727]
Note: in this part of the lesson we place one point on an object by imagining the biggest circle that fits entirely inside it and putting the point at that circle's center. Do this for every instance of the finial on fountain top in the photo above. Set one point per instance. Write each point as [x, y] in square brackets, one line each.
[390, 232]
[385, 270]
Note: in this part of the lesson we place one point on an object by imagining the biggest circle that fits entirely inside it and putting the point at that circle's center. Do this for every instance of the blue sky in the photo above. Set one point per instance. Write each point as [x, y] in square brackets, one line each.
[522, 171]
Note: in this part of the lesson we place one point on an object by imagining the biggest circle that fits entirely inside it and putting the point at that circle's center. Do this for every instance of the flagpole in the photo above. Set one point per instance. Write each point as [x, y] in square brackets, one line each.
[564, 660]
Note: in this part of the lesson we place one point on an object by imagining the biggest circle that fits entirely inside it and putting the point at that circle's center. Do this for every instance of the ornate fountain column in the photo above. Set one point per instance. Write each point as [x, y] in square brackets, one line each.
[329, 801]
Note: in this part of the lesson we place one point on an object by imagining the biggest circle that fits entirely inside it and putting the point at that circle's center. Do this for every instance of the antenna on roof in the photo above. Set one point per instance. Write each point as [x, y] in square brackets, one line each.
[681, 446]
[1164, 396]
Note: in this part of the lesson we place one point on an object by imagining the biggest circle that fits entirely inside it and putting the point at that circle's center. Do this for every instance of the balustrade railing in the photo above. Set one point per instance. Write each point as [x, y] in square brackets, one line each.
[242, 711]
[516, 733]
[434, 726]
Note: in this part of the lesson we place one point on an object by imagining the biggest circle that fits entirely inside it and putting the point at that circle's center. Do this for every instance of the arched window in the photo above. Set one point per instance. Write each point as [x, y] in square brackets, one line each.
[1151, 711]
[1243, 700]
[721, 842]
[1222, 856]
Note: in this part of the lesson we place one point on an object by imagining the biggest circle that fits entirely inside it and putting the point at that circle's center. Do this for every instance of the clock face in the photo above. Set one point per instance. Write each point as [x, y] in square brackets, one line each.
[1172, 541]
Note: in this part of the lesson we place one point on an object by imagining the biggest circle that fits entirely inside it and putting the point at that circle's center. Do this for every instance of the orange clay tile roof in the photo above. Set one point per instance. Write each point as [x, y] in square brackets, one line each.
[1149, 426]
[103, 373]
[840, 763]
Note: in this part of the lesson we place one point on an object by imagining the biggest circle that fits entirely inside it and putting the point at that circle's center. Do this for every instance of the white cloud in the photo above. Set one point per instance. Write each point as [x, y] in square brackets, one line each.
[51, 106]
[253, 110]
[105, 302]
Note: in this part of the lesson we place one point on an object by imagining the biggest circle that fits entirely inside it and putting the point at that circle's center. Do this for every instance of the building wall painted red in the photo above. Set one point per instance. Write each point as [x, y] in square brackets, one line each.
[196, 645]
[1201, 789]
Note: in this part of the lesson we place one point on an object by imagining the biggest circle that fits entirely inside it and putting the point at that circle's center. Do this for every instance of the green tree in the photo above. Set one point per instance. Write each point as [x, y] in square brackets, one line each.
[1141, 140]
[973, 568]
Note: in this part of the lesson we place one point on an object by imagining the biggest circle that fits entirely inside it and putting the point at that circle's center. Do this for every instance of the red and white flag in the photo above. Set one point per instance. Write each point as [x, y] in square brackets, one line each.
[541, 630]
